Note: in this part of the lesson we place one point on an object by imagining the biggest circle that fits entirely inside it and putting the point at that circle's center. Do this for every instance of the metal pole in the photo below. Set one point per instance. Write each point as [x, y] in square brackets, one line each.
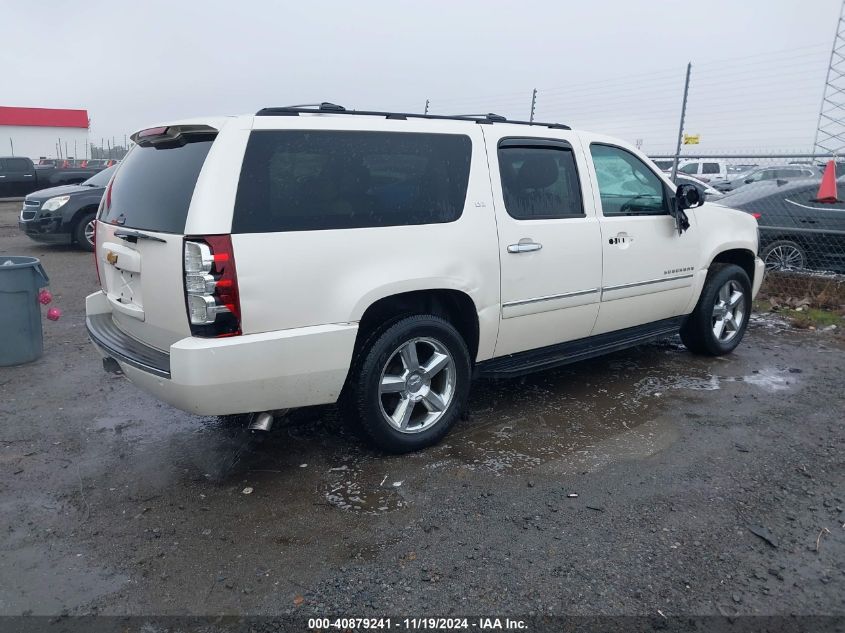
[12, 143]
[75, 155]
[681, 126]
[533, 105]
[426, 106]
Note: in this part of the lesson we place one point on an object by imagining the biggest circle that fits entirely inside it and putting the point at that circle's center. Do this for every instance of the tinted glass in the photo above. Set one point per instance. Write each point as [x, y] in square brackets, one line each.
[101, 179]
[154, 187]
[540, 182]
[710, 168]
[626, 185]
[689, 168]
[318, 180]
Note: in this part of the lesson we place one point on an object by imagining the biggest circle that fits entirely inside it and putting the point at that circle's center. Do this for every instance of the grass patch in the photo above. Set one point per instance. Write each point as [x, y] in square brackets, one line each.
[802, 317]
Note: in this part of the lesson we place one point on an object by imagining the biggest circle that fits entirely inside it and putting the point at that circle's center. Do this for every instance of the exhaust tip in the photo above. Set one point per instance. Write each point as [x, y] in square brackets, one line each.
[261, 422]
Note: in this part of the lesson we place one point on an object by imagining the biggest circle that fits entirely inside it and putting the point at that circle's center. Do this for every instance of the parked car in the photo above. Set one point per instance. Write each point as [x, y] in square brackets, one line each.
[773, 172]
[706, 170]
[65, 214]
[18, 176]
[795, 231]
[101, 163]
[705, 190]
[384, 259]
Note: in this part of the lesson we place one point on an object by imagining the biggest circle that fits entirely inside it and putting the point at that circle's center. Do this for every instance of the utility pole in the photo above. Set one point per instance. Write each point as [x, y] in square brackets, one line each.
[12, 143]
[681, 126]
[830, 131]
[533, 105]
[426, 106]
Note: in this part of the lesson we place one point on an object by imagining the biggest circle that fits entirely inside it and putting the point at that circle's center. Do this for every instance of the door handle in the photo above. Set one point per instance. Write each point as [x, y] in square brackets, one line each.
[27, 175]
[524, 246]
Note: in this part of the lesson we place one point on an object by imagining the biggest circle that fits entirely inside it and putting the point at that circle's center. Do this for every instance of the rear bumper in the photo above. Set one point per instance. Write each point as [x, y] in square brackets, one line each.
[759, 273]
[239, 374]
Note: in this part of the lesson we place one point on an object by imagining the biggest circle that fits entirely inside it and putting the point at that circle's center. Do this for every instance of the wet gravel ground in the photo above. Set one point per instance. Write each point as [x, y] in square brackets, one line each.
[647, 480]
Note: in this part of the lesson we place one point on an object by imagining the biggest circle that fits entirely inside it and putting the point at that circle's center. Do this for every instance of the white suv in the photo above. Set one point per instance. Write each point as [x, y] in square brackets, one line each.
[306, 256]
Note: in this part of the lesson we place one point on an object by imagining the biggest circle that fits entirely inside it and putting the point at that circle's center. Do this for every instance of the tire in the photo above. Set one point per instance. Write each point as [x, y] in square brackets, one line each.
[400, 406]
[80, 230]
[784, 255]
[704, 332]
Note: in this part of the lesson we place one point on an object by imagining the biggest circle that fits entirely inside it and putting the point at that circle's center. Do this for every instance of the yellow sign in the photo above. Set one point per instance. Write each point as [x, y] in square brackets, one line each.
[692, 139]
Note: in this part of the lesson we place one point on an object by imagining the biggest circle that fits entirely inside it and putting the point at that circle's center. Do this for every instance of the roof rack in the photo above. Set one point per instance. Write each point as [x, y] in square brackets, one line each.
[332, 108]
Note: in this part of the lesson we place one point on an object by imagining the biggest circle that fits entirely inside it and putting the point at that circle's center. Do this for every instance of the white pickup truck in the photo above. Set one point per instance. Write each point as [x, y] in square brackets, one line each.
[303, 256]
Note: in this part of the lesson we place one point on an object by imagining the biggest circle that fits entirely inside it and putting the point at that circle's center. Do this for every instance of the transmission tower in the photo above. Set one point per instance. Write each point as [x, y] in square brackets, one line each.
[830, 133]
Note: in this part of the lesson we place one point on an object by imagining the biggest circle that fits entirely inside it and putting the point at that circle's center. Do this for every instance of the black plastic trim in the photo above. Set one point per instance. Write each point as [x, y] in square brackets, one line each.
[522, 363]
[114, 341]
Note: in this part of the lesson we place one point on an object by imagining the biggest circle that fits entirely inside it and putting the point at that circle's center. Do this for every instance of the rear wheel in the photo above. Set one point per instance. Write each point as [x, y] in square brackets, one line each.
[720, 318]
[410, 384]
[83, 233]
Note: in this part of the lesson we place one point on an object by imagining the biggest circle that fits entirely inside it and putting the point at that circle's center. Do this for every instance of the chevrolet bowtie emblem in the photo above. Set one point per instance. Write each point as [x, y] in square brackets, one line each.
[111, 258]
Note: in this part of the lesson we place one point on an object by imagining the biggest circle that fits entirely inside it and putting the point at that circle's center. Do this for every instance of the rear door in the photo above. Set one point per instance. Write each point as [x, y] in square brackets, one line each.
[549, 239]
[140, 237]
[19, 176]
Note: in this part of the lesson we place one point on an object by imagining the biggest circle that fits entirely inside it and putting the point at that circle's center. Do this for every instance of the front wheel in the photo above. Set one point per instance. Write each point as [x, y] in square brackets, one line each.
[83, 234]
[410, 383]
[720, 318]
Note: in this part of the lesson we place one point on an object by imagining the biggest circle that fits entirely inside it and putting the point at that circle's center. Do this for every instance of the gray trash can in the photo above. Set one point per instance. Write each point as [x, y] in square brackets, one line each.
[21, 340]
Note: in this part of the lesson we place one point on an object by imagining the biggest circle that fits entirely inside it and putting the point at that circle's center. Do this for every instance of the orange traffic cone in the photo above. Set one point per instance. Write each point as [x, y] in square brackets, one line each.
[827, 190]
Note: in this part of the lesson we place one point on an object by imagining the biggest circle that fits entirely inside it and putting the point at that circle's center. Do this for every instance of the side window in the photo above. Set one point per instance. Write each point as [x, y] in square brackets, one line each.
[539, 181]
[320, 180]
[710, 168]
[626, 185]
[689, 168]
[17, 164]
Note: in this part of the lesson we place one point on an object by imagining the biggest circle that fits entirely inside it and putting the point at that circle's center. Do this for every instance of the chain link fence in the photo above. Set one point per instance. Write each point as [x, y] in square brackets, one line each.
[801, 219]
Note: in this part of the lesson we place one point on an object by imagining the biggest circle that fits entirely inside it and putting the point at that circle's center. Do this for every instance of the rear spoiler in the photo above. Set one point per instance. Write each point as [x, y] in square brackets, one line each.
[173, 135]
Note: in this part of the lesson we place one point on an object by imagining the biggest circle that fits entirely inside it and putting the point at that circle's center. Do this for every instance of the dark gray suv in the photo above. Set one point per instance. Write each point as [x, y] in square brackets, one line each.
[65, 215]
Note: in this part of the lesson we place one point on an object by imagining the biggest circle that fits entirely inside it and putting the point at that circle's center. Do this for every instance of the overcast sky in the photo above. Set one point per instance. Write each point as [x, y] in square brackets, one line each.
[614, 64]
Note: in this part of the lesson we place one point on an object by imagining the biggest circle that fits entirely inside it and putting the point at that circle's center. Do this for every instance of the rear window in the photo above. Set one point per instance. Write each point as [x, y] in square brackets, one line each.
[320, 180]
[153, 188]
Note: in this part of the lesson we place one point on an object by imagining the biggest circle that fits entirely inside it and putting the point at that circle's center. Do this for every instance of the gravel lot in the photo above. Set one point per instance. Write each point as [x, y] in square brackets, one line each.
[704, 486]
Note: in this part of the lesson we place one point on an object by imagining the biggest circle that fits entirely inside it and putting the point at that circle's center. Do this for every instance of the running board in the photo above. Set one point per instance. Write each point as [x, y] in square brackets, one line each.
[522, 363]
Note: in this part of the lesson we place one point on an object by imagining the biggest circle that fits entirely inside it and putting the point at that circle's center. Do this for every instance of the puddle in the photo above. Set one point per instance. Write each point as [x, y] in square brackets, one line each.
[518, 426]
[45, 583]
[770, 379]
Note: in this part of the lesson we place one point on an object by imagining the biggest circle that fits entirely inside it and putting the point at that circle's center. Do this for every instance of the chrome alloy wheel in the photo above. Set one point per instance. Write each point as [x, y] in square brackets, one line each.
[417, 385]
[89, 232]
[728, 311]
[784, 257]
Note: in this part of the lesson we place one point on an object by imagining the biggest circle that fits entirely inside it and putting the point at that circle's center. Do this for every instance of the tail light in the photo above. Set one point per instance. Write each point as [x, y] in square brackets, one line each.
[96, 263]
[211, 286]
[756, 216]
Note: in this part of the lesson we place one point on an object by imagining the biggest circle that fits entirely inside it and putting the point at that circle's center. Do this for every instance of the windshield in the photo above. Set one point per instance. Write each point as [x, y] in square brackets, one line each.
[101, 179]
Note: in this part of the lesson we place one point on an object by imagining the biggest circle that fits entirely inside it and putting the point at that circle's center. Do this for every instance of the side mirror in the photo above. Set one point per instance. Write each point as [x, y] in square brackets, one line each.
[687, 197]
